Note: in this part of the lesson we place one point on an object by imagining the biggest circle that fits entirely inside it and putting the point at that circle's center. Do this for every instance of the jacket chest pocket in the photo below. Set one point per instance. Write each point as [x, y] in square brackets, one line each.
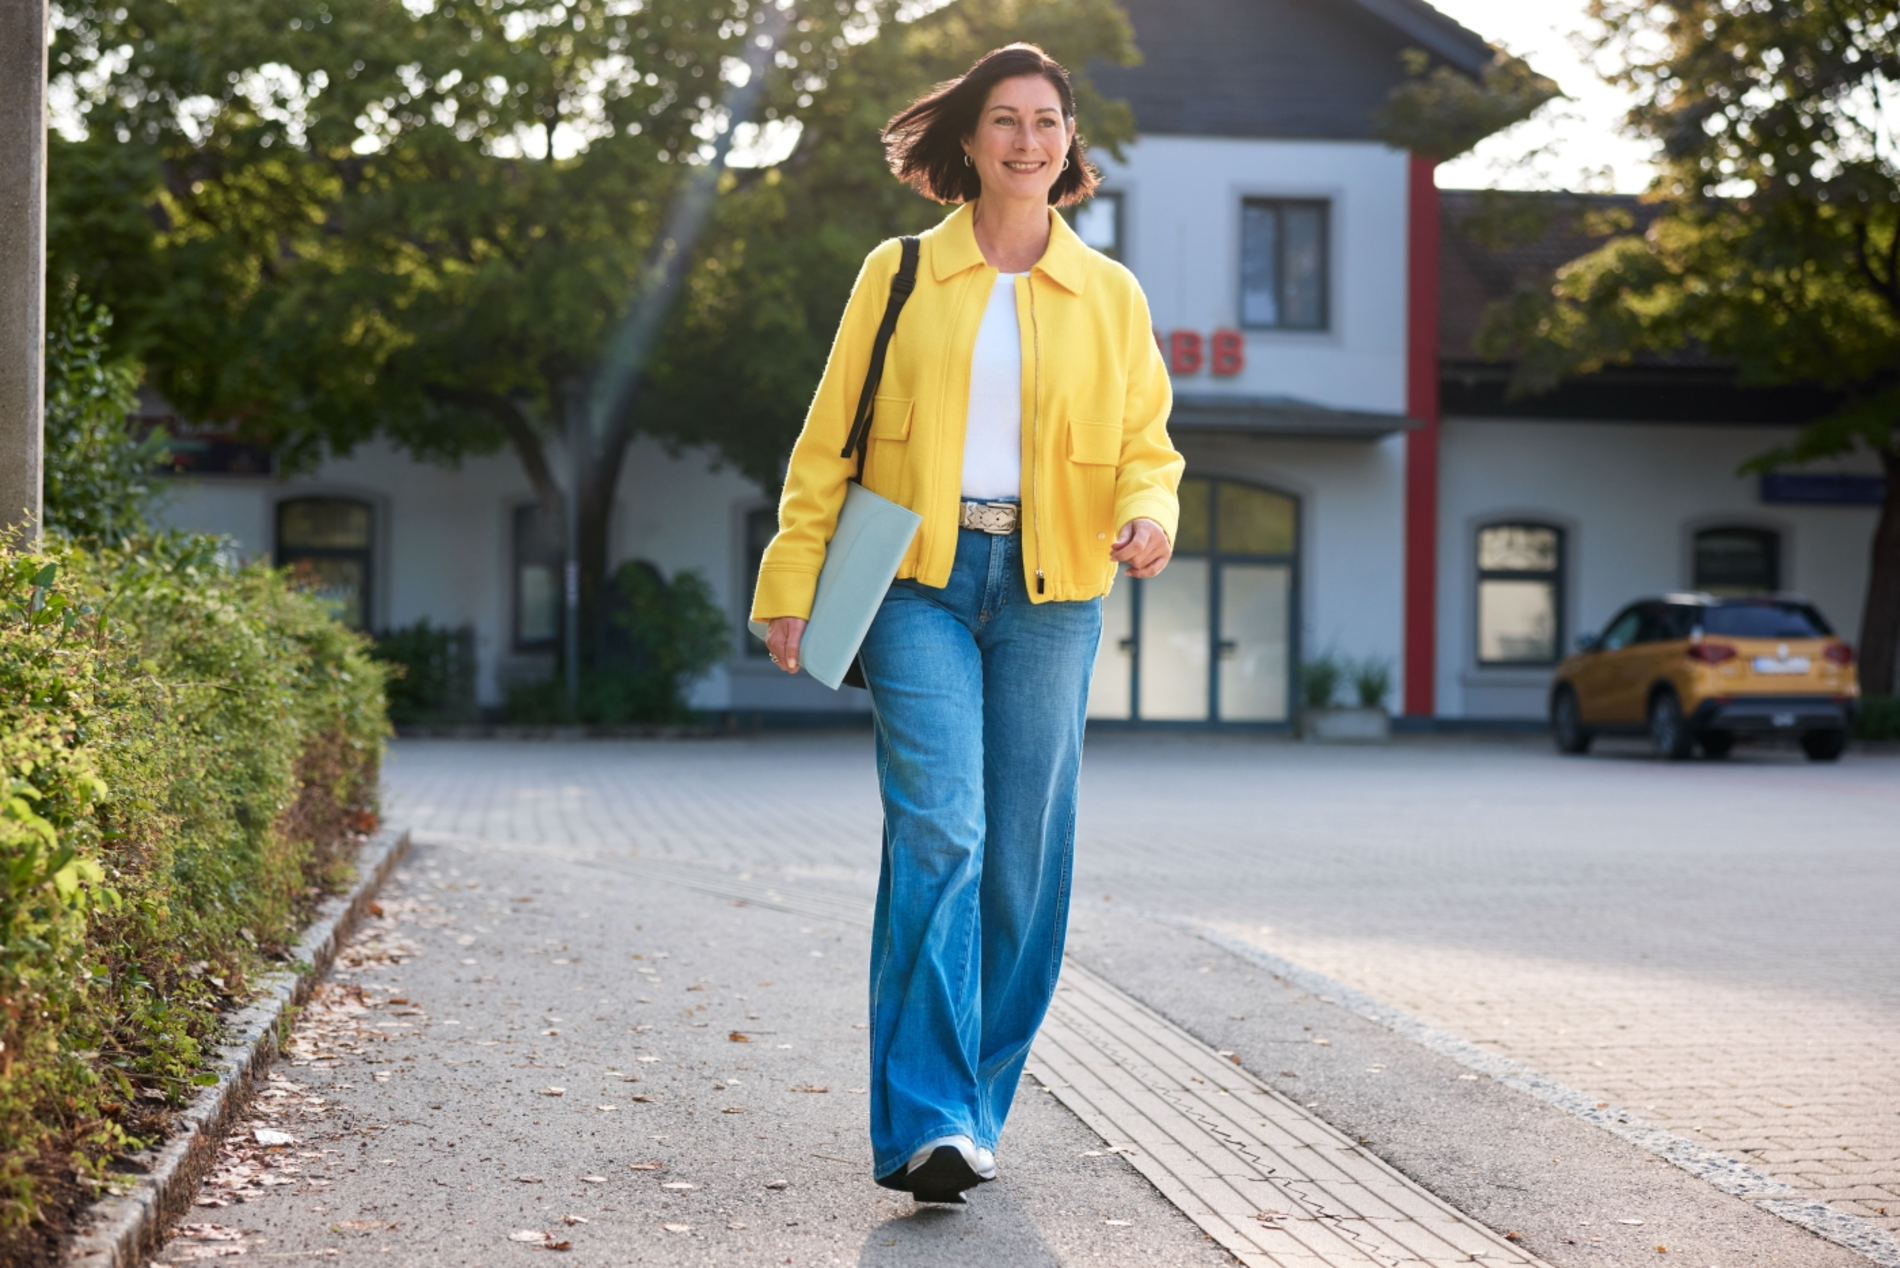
[884, 467]
[890, 418]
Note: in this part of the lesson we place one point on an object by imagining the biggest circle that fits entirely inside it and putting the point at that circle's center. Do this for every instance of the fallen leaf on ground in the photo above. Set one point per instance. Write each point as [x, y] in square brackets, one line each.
[360, 1226]
[606, 1109]
[1629, 1221]
[271, 1136]
[189, 1253]
[593, 1179]
[644, 1166]
[529, 1179]
[1119, 1223]
[778, 1184]
[554, 1091]
[210, 1232]
[680, 1185]
[732, 1109]
[810, 1088]
[677, 1228]
[573, 1219]
[554, 1245]
[738, 1037]
[528, 1235]
[642, 1100]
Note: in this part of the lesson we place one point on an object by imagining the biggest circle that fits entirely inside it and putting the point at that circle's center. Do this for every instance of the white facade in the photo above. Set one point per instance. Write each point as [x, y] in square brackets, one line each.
[1629, 499]
[1182, 199]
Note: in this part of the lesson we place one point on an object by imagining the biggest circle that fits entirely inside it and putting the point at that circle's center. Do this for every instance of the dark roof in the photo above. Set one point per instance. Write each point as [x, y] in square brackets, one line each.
[1299, 69]
[1493, 244]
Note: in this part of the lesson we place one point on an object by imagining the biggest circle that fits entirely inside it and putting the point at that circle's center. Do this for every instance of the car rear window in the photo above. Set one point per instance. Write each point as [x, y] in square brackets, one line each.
[1764, 620]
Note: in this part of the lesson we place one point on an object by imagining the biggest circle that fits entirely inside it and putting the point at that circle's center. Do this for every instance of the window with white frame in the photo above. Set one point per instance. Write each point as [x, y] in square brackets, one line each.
[1283, 269]
[1520, 594]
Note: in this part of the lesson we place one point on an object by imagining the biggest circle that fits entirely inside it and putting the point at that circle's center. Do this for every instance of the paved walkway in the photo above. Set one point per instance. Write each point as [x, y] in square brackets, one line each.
[1712, 945]
[1718, 937]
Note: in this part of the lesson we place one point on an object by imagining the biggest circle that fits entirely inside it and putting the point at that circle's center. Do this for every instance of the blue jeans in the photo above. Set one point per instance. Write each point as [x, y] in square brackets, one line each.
[978, 698]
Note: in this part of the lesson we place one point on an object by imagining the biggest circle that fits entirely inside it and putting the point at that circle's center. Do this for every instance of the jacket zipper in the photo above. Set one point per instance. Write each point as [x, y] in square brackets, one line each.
[1035, 430]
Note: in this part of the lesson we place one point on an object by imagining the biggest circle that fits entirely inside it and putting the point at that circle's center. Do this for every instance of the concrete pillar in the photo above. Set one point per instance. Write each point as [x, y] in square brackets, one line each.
[22, 258]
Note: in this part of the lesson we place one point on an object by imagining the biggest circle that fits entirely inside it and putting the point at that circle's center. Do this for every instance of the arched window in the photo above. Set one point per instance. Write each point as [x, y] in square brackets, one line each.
[1738, 561]
[327, 542]
[1520, 594]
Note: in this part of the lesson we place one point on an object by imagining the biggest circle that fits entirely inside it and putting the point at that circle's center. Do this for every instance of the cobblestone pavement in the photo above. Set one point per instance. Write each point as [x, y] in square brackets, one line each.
[1710, 945]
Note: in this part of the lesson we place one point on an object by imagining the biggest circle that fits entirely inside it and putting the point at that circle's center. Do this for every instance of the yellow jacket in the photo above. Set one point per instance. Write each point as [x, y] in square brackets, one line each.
[1095, 410]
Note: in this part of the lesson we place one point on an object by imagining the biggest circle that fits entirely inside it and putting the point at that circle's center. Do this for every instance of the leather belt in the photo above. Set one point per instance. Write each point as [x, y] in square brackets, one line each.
[999, 519]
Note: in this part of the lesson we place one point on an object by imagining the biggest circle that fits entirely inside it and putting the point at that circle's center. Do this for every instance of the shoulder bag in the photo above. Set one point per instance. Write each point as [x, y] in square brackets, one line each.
[872, 534]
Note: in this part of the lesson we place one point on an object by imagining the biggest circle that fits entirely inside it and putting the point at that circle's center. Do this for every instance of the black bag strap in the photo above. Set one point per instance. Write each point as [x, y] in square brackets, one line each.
[901, 286]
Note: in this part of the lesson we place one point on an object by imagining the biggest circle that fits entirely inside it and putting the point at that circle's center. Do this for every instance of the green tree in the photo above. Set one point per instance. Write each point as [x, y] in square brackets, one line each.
[458, 224]
[1777, 242]
[98, 471]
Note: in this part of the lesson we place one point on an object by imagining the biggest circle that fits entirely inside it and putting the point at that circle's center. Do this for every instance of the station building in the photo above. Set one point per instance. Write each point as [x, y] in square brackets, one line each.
[1360, 481]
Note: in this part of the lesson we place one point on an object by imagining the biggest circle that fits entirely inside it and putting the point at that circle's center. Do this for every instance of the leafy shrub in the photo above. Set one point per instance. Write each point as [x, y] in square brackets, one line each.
[662, 636]
[98, 482]
[185, 754]
[432, 673]
[1879, 718]
[1320, 680]
[1371, 681]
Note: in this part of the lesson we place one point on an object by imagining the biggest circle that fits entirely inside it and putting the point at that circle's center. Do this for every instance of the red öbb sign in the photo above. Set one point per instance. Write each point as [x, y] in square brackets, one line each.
[1223, 353]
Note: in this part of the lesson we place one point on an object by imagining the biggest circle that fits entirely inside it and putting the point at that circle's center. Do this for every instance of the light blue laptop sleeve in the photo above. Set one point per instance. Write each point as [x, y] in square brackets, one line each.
[860, 562]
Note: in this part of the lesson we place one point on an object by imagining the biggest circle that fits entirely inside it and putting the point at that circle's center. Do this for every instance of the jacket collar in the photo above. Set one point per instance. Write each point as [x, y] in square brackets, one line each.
[953, 249]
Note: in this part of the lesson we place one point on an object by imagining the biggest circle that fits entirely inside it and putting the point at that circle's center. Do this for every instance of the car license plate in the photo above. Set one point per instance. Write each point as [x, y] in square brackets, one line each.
[1775, 665]
[1783, 719]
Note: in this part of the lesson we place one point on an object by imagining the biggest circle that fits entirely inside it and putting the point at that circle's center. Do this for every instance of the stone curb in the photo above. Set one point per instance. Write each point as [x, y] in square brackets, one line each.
[121, 1231]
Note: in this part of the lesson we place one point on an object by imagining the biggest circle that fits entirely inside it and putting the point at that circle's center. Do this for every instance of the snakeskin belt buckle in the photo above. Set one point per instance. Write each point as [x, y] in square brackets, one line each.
[998, 519]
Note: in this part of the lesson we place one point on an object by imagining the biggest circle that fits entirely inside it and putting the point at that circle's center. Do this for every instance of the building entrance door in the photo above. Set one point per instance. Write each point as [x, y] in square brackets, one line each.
[1211, 638]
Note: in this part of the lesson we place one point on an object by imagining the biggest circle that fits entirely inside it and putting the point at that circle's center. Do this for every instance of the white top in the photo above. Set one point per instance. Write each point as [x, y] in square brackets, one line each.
[993, 441]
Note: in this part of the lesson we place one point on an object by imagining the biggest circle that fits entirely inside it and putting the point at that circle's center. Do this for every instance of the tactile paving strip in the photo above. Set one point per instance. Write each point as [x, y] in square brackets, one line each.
[1262, 1176]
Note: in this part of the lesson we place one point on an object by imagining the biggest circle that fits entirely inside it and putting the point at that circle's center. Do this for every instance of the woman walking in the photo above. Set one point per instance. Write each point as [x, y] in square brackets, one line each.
[1022, 412]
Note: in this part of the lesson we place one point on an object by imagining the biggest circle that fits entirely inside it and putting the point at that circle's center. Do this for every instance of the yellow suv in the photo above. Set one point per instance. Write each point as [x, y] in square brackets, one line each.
[1695, 670]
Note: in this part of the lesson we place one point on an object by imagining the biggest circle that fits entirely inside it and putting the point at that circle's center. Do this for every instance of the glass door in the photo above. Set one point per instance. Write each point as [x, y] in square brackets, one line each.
[1256, 609]
[1174, 643]
[1212, 638]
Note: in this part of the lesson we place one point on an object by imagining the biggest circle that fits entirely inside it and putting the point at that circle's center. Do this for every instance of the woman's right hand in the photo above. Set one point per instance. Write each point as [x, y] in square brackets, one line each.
[782, 638]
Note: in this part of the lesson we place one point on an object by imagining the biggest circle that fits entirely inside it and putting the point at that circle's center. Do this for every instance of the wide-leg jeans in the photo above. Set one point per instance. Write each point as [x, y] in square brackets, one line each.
[978, 698]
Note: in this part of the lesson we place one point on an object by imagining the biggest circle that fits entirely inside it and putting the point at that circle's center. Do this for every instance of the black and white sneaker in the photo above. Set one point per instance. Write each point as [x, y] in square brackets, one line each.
[943, 1168]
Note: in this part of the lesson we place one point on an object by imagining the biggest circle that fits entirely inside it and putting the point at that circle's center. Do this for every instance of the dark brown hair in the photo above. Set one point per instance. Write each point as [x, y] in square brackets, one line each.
[924, 143]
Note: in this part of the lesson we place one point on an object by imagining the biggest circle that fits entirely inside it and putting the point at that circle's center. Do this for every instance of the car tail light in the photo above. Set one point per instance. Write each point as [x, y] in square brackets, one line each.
[1711, 653]
[1839, 653]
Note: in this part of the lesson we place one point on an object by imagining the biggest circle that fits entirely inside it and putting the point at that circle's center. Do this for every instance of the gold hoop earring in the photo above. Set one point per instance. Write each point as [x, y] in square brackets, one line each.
[967, 162]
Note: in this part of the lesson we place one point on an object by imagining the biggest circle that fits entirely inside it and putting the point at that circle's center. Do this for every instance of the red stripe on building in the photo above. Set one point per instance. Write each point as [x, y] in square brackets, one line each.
[1421, 445]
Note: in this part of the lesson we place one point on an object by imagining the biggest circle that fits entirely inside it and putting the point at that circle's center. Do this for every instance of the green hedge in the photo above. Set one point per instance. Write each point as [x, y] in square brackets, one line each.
[1878, 718]
[187, 753]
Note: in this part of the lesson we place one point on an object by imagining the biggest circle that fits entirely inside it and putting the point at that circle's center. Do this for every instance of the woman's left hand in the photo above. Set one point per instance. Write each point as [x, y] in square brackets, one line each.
[1143, 547]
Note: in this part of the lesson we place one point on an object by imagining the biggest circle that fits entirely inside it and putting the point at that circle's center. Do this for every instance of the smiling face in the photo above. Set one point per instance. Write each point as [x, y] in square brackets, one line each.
[1020, 140]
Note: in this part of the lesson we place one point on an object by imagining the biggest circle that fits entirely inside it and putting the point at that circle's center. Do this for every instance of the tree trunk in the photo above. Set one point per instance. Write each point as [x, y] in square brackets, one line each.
[1880, 622]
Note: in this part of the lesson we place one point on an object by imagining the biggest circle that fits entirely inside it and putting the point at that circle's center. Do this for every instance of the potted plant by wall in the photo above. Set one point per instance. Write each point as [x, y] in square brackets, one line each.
[1323, 720]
